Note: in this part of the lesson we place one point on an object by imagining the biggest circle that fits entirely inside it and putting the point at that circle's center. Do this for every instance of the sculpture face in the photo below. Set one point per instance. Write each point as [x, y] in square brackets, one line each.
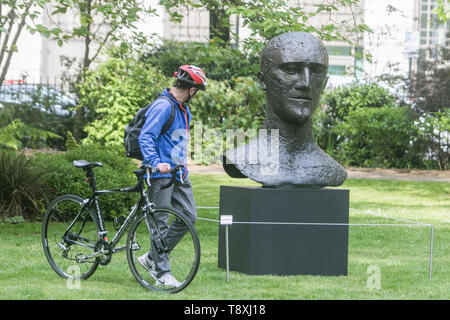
[294, 74]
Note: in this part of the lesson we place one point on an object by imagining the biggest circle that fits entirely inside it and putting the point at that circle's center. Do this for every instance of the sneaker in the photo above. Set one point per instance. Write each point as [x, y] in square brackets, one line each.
[168, 280]
[148, 265]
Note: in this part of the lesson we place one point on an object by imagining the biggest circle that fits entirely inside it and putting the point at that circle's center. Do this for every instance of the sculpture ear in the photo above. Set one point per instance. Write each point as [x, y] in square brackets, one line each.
[261, 80]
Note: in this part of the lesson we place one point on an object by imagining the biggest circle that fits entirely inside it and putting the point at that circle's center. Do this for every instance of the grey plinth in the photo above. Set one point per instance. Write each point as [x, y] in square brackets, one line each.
[258, 249]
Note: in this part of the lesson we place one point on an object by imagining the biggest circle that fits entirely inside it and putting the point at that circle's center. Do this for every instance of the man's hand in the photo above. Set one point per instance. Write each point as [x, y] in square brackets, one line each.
[163, 167]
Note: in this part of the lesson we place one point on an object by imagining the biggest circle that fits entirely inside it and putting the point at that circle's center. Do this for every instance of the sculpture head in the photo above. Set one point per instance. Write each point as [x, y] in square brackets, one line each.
[294, 73]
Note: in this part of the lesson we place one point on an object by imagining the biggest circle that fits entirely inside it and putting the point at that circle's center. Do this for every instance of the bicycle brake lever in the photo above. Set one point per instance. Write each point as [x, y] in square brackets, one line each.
[147, 170]
[181, 175]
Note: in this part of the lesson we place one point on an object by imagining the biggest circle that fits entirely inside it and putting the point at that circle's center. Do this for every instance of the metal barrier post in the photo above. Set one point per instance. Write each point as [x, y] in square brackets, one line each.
[227, 220]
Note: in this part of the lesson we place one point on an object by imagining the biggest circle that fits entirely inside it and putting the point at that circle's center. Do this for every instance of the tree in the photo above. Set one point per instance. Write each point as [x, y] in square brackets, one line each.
[99, 23]
[269, 18]
[15, 15]
[442, 10]
[429, 86]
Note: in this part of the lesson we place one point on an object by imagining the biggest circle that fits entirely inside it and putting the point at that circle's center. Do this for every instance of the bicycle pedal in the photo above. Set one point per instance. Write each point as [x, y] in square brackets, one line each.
[135, 246]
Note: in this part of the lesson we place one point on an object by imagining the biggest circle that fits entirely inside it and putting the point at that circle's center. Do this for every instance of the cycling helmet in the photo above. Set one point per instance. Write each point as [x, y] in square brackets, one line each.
[191, 76]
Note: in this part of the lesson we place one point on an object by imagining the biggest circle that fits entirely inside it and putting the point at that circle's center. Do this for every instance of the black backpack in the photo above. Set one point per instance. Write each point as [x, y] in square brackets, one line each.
[133, 130]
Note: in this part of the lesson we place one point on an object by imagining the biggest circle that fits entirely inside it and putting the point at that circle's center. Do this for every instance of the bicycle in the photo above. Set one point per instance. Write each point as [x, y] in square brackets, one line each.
[74, 233]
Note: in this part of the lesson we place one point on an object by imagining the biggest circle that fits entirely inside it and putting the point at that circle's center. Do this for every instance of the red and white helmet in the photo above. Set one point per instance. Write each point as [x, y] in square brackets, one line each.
[192, 76]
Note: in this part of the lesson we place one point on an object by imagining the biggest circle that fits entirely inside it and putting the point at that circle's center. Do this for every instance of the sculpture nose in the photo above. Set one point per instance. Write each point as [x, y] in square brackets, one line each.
[303, 79]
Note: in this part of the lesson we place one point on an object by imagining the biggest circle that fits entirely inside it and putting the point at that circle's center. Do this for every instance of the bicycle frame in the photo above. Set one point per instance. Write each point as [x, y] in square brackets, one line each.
[93, 202]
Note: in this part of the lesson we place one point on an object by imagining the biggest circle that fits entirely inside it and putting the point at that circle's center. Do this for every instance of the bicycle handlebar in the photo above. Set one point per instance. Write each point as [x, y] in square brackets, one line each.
[150, 170]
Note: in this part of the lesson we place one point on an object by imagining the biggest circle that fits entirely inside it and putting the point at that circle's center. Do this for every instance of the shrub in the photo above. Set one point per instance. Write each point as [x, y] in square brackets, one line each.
[114, 92]
[238, 103]
[339, 103]
[117, 171]
[23, 188]
[218, 62]
[44, 112]
[434, 139]
[378, 137]
[15, 134]
[342, 100]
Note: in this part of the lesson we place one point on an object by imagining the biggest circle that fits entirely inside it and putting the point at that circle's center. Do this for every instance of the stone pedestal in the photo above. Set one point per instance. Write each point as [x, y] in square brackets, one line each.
[279, 249]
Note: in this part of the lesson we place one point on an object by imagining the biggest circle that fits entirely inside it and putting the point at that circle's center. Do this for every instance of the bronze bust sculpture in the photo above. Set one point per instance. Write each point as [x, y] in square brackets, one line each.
[293, 73]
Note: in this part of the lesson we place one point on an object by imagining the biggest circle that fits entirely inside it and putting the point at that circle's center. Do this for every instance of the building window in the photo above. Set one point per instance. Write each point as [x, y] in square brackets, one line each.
[336, 70]
[423, 21]
[339, 50]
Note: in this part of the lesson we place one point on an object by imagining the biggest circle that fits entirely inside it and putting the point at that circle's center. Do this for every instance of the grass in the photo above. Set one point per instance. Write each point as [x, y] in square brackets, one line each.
[401, 254]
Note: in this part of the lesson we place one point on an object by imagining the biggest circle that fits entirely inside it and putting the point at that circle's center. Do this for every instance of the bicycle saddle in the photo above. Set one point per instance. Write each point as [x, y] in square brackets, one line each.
[85, 164]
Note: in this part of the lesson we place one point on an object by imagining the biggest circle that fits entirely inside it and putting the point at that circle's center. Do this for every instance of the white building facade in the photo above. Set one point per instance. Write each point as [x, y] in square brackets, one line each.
[39, 58]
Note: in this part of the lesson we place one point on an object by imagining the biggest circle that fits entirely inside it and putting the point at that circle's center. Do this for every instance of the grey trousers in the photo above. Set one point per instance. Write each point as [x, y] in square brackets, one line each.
[181, 198]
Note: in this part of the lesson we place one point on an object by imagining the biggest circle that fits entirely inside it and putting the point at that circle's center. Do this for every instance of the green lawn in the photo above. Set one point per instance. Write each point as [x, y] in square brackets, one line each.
[401, 254]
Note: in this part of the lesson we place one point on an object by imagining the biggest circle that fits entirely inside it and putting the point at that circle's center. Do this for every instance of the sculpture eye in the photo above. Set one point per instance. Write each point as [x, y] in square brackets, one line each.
[318, 69]
[289, 69]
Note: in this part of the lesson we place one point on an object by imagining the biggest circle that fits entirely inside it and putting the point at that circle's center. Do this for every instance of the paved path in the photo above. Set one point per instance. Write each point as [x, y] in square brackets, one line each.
[359, 173]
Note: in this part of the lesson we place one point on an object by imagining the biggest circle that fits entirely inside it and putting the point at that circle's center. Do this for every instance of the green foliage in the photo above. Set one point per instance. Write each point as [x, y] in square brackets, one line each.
[268, 18]
[120, 86]
[378, 137]
[71, 143]
[113, 16]
[442, 10]
[434, 139]
[362, 125]
[23, 188]
[14, 132]
[218, 62]
[114, 92]
[64, 177]
[238, 103]
[342, 101]
[38, 122]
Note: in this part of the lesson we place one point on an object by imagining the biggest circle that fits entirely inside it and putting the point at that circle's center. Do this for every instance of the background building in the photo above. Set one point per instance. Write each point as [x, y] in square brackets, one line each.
[432, 32]
[195, 27]
[391, 20]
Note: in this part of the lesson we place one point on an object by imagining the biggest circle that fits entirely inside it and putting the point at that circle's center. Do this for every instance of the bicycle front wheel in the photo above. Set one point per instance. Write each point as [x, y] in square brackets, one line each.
[69, 233]
[181, 257]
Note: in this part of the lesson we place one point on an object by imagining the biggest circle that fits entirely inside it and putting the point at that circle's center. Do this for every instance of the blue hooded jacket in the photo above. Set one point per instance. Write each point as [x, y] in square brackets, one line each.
[170, 147]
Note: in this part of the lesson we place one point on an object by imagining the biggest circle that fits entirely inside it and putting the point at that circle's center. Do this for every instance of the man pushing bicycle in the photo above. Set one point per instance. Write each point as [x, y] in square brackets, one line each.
[163, 142]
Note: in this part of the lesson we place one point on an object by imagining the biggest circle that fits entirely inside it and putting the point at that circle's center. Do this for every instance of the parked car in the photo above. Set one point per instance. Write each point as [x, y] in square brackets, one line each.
[46, 98]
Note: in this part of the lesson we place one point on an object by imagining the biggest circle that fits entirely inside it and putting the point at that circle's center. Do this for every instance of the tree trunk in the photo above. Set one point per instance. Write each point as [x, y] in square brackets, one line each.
[14, 42]
[79, 113]
[219, 25]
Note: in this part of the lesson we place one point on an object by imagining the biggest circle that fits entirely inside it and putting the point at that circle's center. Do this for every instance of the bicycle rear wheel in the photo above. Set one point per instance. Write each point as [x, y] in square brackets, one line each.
[63, 247]
[183, 252]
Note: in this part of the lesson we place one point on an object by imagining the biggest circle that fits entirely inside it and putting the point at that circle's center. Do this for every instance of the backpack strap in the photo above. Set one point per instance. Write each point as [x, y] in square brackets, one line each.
[169, 122]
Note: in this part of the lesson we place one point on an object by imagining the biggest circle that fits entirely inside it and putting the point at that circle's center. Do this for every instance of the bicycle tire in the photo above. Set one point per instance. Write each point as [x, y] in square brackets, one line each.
[184, 257]
[58, 217]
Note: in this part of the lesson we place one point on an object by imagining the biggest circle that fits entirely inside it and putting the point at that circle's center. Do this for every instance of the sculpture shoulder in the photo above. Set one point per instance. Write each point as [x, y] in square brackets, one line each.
[309, 166]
